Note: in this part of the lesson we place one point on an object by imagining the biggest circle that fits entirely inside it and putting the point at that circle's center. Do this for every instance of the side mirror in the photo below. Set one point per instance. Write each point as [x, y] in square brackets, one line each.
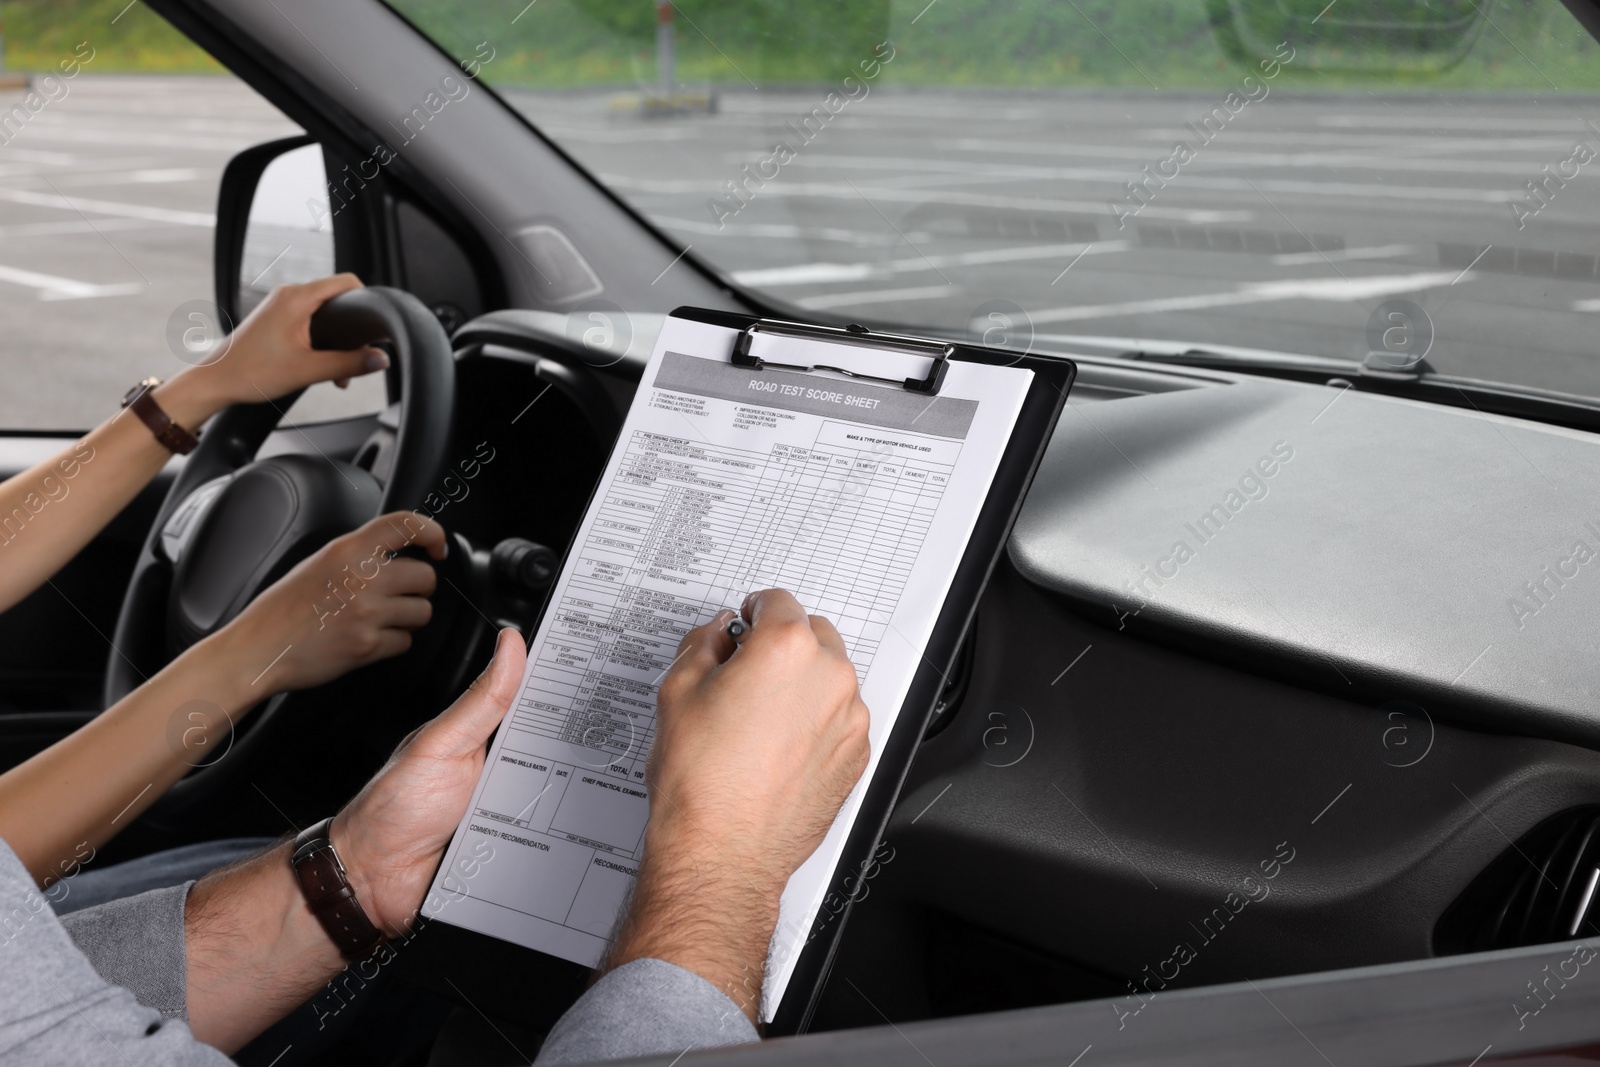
[273, 224]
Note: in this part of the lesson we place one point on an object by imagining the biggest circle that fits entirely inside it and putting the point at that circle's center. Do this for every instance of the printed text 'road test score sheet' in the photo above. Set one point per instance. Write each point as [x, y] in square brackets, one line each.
[857, 497]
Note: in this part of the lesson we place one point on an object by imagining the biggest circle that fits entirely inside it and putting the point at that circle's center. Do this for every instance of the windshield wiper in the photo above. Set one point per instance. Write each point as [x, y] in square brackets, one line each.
[1218, 357]
[1380, 372]
[1384, 373]
[1245, 360]
[1393, 366]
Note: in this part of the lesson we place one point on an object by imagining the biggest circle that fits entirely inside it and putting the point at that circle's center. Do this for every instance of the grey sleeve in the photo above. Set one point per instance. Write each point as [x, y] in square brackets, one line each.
[645, 1007]
[54, 1007]
[137, 943]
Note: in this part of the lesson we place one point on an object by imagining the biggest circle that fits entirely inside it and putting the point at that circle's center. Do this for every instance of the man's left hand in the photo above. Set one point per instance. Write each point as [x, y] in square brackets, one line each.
[268, 356]
[390, 837]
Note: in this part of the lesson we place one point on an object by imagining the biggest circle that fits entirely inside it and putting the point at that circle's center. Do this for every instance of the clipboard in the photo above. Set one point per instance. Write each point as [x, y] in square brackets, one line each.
[1035, 424]
[1019, 459]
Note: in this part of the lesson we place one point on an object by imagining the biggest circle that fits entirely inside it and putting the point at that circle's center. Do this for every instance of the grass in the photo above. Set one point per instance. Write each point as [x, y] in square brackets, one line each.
[124, 36]
[1483, 45]
[1512, 46]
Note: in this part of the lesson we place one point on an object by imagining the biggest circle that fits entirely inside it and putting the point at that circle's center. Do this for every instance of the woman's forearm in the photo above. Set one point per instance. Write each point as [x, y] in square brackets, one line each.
[75, 795]
[49, 512]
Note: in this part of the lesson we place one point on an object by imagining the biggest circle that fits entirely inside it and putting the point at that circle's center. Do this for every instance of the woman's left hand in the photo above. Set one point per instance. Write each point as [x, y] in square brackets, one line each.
[269, 356]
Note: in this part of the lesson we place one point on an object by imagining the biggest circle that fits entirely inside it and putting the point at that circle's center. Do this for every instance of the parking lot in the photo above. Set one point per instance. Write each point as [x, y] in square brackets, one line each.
[107, 198]
[1291, 223]
[1287, 229]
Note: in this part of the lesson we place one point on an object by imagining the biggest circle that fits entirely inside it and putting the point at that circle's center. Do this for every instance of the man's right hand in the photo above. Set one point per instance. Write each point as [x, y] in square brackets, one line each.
[347, 605]
[756, 747]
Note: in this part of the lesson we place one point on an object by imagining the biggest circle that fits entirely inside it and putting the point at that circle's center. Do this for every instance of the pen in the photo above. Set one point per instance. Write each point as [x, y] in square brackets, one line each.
[737, 629]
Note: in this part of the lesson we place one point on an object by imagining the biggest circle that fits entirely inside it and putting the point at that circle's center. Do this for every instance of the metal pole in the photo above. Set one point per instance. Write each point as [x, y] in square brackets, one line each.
[666, 58]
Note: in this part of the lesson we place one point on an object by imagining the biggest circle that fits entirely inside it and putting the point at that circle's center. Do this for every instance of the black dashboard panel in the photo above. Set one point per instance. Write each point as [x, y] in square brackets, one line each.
[1104, 809]
[1373, 546]
[1293, 754]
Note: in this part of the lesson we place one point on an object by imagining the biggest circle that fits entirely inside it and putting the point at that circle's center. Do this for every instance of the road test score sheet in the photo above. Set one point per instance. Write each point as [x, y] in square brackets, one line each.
[857, 497]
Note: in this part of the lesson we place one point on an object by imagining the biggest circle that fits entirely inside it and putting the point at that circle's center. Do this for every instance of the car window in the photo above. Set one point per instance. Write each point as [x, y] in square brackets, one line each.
[1334, 179]
[113, 137]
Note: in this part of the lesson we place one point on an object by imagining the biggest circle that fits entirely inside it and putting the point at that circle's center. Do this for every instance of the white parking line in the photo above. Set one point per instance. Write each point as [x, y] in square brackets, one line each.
[1295, 259]
[151, 176]
[51, 287]
[804, 274]
[108, 207]
[822, 273]
[1256, 293]
[822, 190]
[1096, 175]
[1425, 158]
[74, 226]
[1012, 255]
[1425, 123]
[27, 155]
[41, 132]
[762, 230]
[627, 136]
[876, 296]
[1367, 142]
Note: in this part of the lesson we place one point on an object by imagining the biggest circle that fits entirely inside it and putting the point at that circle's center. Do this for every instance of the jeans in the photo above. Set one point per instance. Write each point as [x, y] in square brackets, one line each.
[155, 871]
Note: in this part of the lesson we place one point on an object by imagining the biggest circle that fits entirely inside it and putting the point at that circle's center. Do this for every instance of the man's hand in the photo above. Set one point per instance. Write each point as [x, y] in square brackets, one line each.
[392, 834]
[268, 356]
[347, 605]
[758, 744]
[756, 748]
[254, 949]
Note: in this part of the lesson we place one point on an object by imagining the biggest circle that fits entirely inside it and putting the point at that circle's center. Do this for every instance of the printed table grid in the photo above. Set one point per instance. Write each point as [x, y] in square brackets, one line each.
[689, 528]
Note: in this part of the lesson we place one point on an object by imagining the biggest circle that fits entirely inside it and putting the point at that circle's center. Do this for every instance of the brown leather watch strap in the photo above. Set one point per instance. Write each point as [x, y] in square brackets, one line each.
[142, 402]
[330, 895]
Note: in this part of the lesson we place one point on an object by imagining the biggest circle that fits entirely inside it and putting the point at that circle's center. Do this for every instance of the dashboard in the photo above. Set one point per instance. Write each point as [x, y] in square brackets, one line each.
[1250, 695]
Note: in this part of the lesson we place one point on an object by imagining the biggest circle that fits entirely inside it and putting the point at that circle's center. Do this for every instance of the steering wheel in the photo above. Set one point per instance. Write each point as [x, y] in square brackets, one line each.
[232, 524]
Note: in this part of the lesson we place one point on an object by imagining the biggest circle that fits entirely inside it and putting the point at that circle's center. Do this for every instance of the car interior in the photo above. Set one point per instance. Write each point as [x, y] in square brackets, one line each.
[1288, 666]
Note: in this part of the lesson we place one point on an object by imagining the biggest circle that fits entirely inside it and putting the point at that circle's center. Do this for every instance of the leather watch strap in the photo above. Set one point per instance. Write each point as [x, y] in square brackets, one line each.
[328, 891]
[142, 402]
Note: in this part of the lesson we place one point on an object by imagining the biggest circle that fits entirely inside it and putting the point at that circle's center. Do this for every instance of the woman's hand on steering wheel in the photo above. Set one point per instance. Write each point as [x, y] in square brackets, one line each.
[269, 356]
[351, 603]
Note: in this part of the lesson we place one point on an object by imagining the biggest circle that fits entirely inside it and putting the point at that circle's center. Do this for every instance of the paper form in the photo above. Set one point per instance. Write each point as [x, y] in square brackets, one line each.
[859, 498]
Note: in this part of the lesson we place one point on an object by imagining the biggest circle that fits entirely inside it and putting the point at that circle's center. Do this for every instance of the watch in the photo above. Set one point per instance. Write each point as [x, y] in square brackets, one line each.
[142, 402]
[328, 891]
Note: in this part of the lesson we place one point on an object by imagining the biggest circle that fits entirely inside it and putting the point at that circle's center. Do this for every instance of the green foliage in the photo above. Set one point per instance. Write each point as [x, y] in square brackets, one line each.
[1173, 44]
[1500, 45]
[568, 42]
[41, 33]
[1376, 37]
[1114, 43]
[635, 22]
[1385, 45]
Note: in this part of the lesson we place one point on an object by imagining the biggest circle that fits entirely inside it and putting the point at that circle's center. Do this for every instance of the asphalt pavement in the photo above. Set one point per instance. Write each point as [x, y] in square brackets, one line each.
[1285, 226]
[107, 205]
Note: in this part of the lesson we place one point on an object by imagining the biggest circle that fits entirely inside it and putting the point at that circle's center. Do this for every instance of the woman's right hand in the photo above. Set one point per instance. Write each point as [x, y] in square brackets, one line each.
[347, 605]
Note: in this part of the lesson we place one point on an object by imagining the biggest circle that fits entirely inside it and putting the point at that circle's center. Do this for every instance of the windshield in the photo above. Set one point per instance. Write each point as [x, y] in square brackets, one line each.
[1414, 178]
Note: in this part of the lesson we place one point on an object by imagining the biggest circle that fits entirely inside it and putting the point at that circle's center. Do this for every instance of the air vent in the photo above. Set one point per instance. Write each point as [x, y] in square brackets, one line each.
[1541, 889]
[561, 273]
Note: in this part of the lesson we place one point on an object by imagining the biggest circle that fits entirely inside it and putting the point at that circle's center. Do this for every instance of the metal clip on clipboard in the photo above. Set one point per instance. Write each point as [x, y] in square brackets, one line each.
[939, 351]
